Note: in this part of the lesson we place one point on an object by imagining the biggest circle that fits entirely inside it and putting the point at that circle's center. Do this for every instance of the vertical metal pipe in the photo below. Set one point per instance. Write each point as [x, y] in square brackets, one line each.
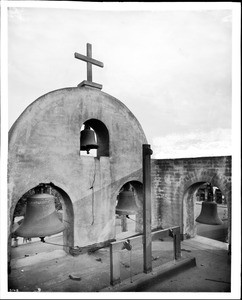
[147, 241]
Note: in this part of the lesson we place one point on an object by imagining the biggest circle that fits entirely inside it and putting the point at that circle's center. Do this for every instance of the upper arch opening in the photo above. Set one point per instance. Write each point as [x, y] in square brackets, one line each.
[97, 135]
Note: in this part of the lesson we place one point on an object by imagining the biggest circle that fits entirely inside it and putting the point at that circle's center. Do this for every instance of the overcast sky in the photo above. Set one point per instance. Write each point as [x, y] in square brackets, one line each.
[172, 69]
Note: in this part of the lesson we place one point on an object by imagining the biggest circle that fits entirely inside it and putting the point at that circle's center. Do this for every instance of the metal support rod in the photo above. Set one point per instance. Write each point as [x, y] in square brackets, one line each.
[147, 242]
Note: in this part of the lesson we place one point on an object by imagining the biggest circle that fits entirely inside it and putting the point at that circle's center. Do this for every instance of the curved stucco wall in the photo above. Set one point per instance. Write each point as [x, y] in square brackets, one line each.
[44, 146]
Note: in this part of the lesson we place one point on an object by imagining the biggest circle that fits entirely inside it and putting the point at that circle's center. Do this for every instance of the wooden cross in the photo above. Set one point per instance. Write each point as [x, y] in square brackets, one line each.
[90, 61]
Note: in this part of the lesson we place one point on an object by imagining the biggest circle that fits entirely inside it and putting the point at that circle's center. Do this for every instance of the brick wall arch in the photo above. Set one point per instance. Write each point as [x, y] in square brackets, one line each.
[188, 218]
[188, 225]
[175, 180]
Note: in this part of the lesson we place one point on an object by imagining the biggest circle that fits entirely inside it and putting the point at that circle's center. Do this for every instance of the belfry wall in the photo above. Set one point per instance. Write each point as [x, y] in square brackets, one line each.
[44, 147]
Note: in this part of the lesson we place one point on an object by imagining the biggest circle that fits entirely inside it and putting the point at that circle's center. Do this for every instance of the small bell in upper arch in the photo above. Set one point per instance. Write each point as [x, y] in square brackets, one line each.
[88, 140]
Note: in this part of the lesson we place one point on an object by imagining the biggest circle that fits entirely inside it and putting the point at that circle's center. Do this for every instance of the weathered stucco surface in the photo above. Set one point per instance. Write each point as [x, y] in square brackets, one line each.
[44, 146]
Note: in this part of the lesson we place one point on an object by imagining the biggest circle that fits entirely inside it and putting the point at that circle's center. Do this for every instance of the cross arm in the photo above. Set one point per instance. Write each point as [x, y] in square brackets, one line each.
[89, 59]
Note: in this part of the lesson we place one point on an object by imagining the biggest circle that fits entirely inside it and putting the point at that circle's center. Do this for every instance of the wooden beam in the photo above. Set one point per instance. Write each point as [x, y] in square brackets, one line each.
[147, 251]
[162, 233]
[136, 240]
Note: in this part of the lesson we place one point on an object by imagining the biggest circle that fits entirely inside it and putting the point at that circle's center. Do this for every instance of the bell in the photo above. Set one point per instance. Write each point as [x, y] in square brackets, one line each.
[126, 204]
[88, 140]
[41, 218]
[209, 214]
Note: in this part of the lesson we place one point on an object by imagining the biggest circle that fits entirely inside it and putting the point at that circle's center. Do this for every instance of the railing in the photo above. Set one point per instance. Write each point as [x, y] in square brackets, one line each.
[116, 247]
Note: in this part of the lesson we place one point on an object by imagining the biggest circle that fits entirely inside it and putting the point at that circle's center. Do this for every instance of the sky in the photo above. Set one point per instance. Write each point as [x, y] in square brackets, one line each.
[171, 68]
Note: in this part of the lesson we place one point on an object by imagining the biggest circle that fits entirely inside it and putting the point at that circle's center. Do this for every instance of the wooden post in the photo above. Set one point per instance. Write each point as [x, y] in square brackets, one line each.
[147, 251]
[124, 226]
[177, 243]
[114, 265]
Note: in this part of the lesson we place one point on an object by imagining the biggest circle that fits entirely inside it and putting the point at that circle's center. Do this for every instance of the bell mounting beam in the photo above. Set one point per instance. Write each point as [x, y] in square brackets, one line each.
[90, 61]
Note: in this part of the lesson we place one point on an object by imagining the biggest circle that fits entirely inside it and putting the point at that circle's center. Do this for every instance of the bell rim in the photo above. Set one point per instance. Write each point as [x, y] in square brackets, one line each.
[42, 234]
[210, 223]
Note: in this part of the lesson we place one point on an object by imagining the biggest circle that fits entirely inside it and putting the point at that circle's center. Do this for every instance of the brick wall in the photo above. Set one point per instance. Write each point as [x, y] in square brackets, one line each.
[174, 179]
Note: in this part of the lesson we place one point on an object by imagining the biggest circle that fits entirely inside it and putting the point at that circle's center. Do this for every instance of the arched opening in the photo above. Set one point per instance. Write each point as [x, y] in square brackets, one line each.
[129, 210]
[34, 248]
[194, 197]
[212, 193]
[97, 135]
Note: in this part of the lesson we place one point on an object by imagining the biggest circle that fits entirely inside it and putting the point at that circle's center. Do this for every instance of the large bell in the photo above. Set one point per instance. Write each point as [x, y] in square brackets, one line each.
[88, 140]
[41, 218]
[126, 204]
[209, 214]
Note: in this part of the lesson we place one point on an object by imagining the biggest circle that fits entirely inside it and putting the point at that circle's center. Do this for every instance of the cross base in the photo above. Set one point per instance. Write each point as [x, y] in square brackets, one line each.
[91, 84]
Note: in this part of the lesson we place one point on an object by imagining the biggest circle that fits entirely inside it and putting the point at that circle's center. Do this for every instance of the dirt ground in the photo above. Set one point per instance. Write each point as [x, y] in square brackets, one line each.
[45, 268]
